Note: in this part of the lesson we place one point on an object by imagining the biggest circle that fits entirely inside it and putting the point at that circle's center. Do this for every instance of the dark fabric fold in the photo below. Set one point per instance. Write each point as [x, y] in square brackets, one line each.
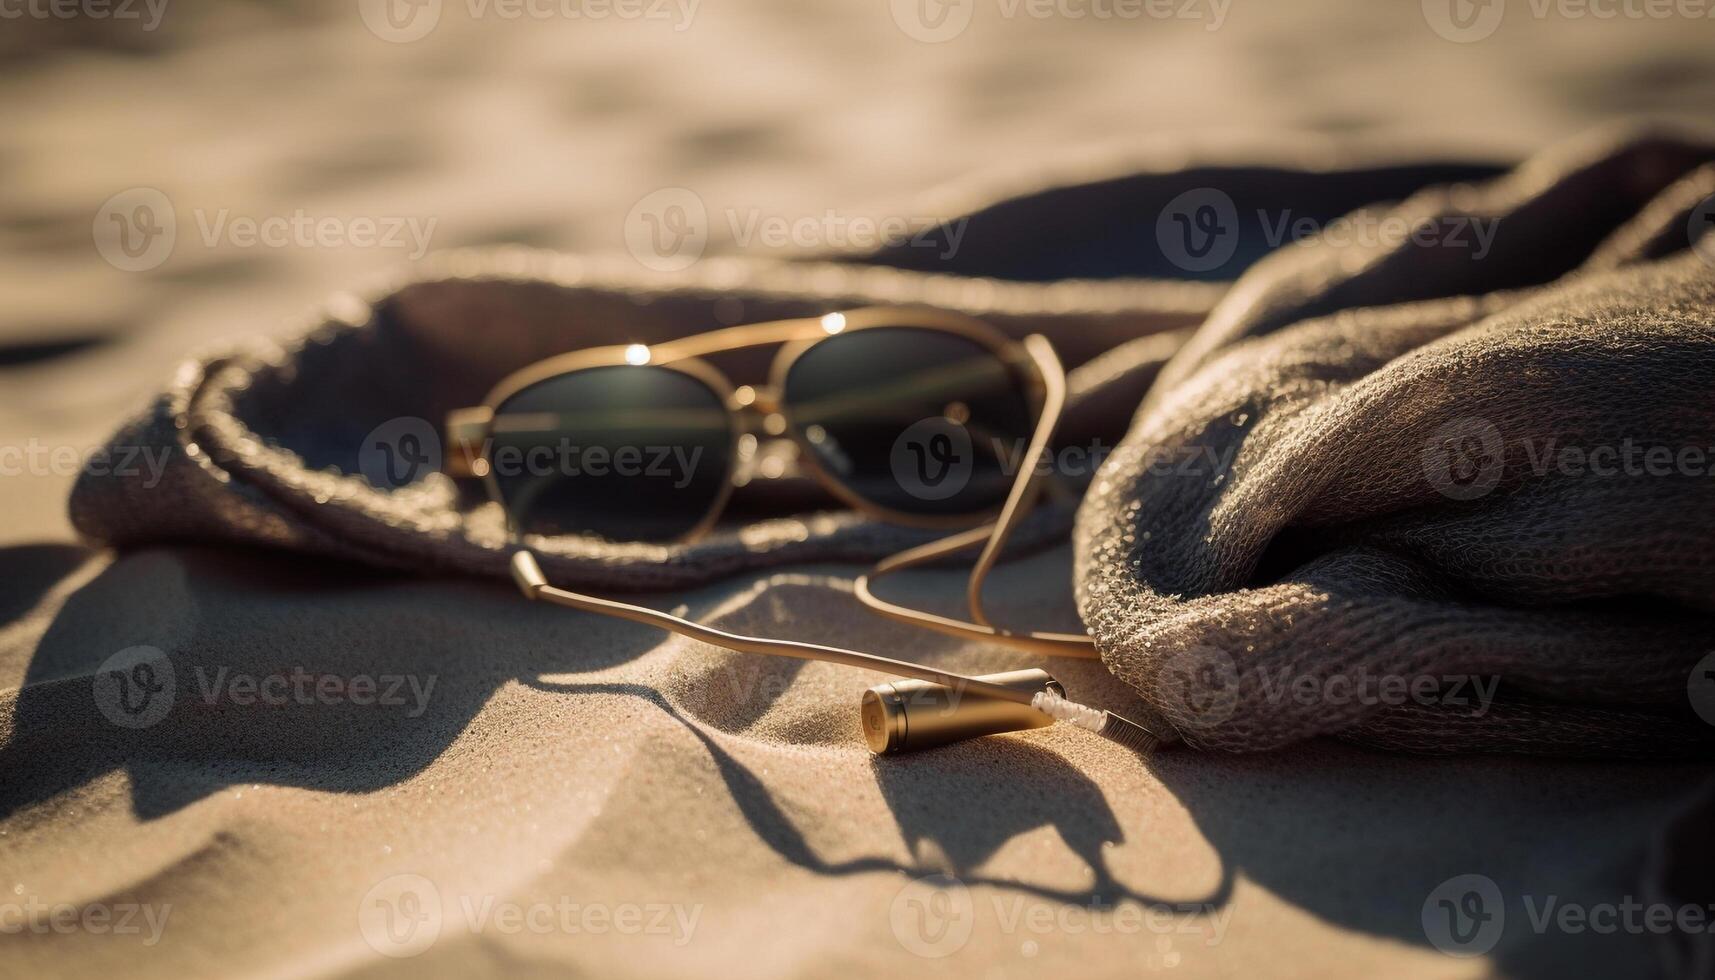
[1434, 468]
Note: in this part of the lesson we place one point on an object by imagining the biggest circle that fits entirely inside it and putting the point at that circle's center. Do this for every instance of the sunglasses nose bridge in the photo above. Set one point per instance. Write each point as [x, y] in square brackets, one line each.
[760, 399]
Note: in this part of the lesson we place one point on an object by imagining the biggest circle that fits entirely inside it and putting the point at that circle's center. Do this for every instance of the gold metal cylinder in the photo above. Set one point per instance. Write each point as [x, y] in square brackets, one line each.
[907, 715]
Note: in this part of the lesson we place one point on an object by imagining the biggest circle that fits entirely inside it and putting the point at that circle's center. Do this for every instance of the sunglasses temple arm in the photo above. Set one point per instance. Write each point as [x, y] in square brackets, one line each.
[1027, 486]
[527, 573]
[1075, 645]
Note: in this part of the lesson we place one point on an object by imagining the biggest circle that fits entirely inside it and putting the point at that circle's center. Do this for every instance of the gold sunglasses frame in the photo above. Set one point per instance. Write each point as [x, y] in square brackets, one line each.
[994, 698]
[1033, 361]
[469, 428]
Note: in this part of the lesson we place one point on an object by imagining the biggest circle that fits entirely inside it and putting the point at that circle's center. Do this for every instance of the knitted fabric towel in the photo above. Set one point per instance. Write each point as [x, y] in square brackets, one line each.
[1427, 493]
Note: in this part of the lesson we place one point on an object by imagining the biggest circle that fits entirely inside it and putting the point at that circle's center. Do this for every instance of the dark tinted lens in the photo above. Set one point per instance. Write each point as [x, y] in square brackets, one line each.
[625, 453]
[915, 420]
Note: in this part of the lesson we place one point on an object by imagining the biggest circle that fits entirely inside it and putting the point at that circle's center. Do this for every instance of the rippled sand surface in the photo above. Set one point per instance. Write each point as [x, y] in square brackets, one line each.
[549, 791]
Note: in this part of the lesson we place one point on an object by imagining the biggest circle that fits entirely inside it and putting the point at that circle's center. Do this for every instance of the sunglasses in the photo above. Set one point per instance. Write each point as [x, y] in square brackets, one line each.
[920, 417]
[916, 417]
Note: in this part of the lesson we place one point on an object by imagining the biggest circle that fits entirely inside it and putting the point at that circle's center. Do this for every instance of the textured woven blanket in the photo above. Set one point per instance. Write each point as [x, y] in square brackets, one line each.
[1445, 489]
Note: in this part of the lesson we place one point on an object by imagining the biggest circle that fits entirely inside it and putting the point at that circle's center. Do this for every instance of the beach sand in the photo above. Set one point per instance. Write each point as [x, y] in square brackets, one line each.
[552, 792]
